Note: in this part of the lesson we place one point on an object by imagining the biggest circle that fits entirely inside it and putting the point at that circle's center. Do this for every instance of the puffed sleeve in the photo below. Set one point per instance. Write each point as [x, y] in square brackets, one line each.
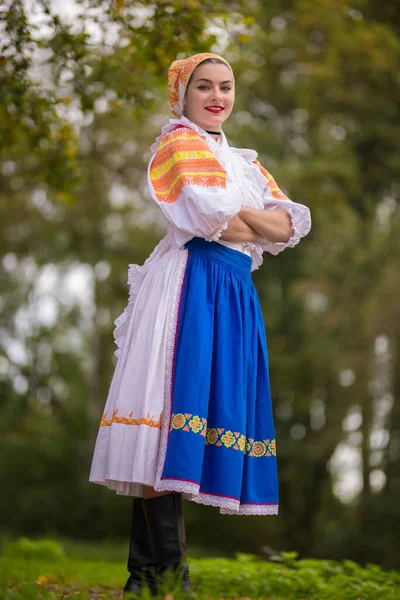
[273, 199]
[191, 187]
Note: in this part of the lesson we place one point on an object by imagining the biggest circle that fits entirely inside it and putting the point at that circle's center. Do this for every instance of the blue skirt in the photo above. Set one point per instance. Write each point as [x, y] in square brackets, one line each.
[220, 445]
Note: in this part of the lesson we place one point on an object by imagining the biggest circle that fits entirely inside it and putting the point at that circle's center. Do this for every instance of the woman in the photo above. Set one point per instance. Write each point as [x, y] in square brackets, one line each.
[189, 409]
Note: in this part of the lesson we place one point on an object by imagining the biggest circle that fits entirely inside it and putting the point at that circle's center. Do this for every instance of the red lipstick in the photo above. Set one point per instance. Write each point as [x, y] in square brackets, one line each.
[215, 109]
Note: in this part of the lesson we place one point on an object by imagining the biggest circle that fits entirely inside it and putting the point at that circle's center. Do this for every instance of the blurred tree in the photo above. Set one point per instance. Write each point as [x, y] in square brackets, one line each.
[321, 103]
[318, 96]
[75, 118]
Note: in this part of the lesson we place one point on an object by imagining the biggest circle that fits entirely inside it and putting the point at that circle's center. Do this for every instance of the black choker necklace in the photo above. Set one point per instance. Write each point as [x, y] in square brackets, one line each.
[214, 132]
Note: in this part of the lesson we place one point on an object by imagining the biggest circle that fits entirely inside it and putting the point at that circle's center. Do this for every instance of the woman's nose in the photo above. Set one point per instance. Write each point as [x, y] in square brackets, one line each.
[216, 95]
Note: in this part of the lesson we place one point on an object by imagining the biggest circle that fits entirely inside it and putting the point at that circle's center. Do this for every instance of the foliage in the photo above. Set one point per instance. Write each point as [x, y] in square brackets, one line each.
[319, 103]
[27, 549]
[81, 100]
[74, 167]
[245, 576]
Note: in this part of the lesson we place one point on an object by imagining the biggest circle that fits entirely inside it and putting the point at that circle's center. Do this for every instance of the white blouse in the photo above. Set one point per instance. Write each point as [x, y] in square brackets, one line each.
[246, 185]
[204, 211]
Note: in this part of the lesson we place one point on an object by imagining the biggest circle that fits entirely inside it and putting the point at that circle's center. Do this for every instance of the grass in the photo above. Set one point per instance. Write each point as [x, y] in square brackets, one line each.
[48, 570]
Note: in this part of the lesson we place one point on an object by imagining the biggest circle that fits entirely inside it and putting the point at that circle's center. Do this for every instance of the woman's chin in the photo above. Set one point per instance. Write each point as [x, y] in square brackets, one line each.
[213, 124]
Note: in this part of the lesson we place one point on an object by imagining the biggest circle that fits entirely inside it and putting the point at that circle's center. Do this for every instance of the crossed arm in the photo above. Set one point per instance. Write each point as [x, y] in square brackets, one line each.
[252, 224]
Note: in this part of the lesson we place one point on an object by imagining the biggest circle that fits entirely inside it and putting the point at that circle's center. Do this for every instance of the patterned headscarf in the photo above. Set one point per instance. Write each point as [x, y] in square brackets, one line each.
[178, 78]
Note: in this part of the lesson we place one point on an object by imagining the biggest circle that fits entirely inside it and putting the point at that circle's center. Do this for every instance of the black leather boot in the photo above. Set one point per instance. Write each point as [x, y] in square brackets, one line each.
[165, 520]
[141, 560]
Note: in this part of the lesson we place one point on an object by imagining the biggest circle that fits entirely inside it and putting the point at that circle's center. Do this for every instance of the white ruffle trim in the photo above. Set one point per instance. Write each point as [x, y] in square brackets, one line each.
[300, 222]
[295, 228]
[121, 323]
[124, 488]
[136, 275]
[172, 123]
[215, 237]
[249, 155]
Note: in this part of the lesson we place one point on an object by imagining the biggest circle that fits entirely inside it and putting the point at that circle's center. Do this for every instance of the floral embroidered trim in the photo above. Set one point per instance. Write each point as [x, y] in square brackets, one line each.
[184, 158]
[223, 437]
[271, 183]
[128, 420]
[189, 423]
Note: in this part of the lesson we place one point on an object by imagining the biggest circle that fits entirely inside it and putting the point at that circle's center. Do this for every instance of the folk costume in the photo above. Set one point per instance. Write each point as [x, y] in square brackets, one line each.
[189, 408]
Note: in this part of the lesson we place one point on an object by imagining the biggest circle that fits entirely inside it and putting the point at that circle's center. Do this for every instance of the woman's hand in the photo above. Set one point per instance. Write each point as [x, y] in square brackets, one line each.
[272, 225]
[239, 231]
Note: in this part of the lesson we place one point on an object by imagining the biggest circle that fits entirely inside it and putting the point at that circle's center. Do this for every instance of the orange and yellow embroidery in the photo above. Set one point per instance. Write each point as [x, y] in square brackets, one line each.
[189, 423]
[216, 436]
[128, 420]
[271, 183]
[184, 158]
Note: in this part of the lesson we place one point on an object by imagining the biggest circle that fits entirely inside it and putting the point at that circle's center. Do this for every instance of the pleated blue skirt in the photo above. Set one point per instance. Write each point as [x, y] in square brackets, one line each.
[221, 443]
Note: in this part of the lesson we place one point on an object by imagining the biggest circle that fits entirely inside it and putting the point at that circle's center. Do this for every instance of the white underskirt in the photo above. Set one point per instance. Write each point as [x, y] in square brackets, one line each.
[126, 456]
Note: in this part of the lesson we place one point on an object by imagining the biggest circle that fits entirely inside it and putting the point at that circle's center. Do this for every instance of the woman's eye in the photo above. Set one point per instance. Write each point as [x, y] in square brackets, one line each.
[206, 87]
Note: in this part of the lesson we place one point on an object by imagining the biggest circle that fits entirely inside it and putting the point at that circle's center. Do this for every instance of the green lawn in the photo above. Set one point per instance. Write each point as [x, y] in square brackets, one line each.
[45, 569]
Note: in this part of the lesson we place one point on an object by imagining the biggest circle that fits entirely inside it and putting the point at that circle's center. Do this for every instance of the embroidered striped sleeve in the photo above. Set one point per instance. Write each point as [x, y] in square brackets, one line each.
[184, 158]
[275, 199]
[271, 183]
[190, 185]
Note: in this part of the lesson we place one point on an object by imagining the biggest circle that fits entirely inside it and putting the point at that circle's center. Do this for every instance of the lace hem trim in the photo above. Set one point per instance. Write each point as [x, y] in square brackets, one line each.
[228, 506]
[257, 509]
[170, 351]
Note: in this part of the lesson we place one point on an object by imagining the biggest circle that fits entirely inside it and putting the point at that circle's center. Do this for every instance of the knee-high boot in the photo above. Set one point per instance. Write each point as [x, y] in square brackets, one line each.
[164, 516]
[141, 560]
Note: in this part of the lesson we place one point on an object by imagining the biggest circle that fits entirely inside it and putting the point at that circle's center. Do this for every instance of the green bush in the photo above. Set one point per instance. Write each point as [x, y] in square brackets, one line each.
[31, 569]
[25, 548]
[291, 579]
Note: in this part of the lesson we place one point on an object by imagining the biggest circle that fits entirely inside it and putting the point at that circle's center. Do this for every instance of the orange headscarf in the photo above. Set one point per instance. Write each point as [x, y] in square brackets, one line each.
[178, 78]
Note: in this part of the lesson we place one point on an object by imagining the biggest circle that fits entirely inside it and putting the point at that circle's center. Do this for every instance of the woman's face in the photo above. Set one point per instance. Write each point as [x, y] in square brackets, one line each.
[210, 96]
